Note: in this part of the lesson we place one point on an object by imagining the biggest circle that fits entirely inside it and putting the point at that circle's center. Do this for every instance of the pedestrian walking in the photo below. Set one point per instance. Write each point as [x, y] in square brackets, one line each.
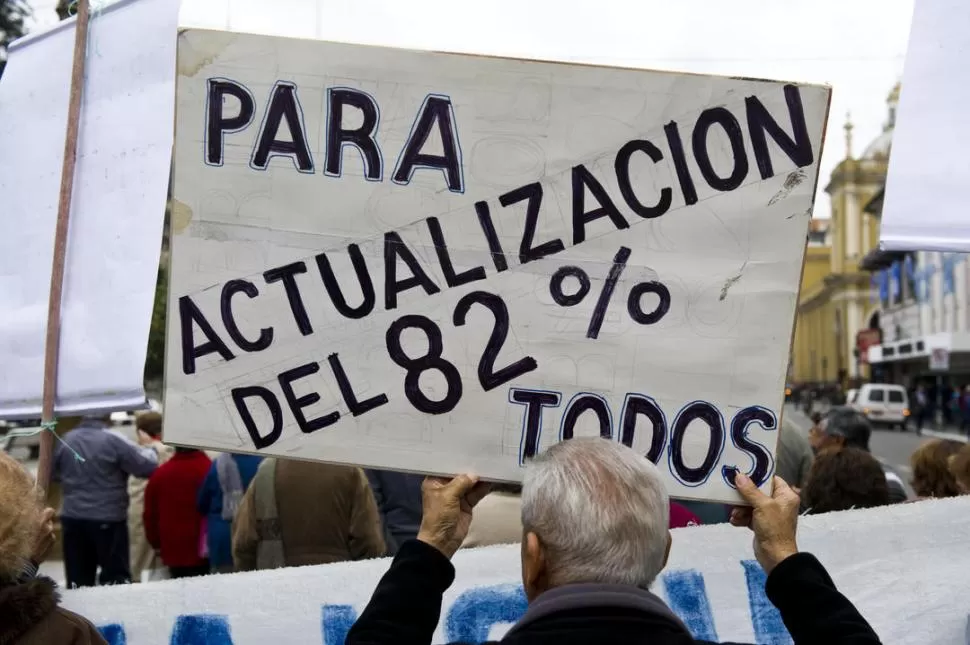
[94, 510]
[297, 513]
[219, 499]
[149, 429]
[173, 524]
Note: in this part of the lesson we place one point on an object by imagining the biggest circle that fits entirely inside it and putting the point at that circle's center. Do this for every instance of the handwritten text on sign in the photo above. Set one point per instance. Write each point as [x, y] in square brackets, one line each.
[433, 262]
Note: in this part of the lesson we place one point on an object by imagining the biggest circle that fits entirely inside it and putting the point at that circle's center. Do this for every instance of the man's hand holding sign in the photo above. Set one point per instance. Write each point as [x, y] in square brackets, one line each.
[436, 263]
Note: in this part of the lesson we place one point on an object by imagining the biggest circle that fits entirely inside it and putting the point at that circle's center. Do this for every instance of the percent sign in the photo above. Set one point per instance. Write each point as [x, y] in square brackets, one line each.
[633, 306]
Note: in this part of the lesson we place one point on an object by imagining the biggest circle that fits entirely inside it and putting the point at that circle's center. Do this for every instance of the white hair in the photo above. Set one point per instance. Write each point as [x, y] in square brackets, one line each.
[600, 510]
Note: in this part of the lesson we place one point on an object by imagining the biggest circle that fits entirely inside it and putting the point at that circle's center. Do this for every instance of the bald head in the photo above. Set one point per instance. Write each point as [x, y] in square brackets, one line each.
[600, 512]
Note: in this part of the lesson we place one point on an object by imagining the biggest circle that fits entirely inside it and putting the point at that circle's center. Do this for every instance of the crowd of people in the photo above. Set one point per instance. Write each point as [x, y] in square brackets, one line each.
[140, 511]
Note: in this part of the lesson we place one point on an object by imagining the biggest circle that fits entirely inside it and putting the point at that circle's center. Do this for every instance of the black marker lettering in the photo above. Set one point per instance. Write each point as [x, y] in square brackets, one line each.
[452, 279]
[283, 105]
[580, 404]
[639, 405]
[680, 163]
[287, 275]
[534, 401]
[230, 289]
[622, 167]
[363, 138]
[732, 128]
[798, 147]
[333, 287]
[218, 124]
[239, 396]
[394, 248]
[488, 228]
[298, 403]
[356, 407]
[712, 418]
[532, 193]
[758, 453]
[432, 360]
[635, 308]
[487, 375]
[189, 313]
[555, 286]
[583, 179]
[436, 110]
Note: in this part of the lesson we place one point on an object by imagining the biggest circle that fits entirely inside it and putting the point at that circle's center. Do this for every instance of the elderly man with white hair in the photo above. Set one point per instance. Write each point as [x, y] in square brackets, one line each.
[594, 516]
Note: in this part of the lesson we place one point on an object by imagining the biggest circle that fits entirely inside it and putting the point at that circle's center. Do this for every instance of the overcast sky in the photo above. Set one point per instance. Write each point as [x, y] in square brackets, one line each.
[857, 46]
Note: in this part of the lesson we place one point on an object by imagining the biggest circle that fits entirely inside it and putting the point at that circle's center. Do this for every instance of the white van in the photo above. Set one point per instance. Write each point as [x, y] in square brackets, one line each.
[883, 404]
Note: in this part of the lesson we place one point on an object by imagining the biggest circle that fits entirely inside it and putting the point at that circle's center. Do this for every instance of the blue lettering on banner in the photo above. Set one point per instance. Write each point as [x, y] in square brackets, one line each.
[336, 622]
[114, 634]
[201, 629]
[687, 597]
[477, 610]
[769, 629]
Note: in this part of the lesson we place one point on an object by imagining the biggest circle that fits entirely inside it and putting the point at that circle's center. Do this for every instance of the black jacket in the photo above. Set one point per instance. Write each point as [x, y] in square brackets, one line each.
[406, 607]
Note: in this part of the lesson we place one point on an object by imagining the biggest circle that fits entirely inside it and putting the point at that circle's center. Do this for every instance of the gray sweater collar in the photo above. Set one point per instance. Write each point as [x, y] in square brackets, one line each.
[594, 595]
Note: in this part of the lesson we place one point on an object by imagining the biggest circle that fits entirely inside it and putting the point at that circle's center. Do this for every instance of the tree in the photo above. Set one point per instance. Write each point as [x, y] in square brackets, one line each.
[12, 16]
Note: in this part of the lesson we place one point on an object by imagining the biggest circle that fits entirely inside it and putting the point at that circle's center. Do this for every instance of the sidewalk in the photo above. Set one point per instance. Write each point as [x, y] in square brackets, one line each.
[952, 434]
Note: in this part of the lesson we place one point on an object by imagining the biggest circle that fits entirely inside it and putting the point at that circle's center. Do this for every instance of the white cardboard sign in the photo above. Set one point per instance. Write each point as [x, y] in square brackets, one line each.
[439, 263]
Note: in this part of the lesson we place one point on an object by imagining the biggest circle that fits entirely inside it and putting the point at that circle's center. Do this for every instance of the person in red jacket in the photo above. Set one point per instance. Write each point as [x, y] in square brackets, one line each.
[173, 525]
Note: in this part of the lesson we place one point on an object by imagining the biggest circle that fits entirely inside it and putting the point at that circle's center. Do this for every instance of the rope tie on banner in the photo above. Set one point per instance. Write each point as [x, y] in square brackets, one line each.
[96, 7]
[50, 426]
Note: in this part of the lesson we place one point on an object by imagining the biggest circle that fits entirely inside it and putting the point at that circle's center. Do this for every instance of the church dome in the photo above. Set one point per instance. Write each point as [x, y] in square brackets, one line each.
[881, 145]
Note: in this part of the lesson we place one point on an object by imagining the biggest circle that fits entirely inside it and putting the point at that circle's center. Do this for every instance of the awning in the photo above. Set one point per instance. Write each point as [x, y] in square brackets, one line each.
[878, 259]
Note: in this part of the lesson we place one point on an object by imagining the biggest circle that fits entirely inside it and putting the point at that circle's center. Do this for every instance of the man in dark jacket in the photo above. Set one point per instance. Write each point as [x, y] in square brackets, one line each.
[93, 463]
[594, 515]
[398, 497]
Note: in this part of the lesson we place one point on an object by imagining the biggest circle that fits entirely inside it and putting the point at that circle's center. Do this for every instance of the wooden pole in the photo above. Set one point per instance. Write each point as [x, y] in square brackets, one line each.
[52, 343]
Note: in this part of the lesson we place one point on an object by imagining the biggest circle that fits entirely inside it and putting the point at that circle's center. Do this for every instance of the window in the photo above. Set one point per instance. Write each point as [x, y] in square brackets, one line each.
[877, 396]
[895, 396]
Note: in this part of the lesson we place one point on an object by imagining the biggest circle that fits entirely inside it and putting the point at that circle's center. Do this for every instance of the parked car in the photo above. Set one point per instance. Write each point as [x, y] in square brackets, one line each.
[883, 404]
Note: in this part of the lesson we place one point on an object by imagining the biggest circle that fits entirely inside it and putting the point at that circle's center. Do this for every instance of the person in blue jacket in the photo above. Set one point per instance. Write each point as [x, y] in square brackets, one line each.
[219, 499]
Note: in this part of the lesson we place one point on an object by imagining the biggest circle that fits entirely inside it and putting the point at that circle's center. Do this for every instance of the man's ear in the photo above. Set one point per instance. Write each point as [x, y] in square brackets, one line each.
[535, 577]
[670, 541]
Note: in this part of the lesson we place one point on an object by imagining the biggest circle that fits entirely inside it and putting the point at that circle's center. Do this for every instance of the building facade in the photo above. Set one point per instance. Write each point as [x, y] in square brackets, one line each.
[836, 315]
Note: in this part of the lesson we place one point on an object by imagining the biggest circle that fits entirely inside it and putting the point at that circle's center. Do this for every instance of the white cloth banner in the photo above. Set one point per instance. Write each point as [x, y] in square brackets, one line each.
[925, 206]
[118, 206]
[442, 263]
[905, 568]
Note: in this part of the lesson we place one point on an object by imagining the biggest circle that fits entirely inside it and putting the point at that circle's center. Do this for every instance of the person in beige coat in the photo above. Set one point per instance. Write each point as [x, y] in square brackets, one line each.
[298, 513]
[149, 428]
[497, 518]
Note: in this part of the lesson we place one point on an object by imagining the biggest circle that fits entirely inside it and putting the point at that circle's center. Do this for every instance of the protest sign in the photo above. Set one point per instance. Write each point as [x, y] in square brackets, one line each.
[711, 581]
[925, 203]
[436, 263]
[117, 206]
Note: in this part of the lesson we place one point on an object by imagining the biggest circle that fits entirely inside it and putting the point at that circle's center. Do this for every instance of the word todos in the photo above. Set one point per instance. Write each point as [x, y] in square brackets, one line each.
[664, 438]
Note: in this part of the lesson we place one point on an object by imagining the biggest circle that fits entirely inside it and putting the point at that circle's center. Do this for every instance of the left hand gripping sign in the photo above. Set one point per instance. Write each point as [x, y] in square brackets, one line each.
[382, 262]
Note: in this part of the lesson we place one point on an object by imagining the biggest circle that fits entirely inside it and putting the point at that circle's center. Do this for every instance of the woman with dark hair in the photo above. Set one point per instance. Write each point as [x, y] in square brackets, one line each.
[931, 471]
[842, 479]
[29, 611]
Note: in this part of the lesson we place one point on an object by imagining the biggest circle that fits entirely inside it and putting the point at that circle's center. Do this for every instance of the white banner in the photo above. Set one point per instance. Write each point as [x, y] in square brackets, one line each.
[439, 263]
[117, 210]
[925, 208]
[904, 567]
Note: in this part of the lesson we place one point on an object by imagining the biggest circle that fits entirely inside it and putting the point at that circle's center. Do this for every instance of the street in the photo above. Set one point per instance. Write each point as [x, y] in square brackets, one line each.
[892, 447]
